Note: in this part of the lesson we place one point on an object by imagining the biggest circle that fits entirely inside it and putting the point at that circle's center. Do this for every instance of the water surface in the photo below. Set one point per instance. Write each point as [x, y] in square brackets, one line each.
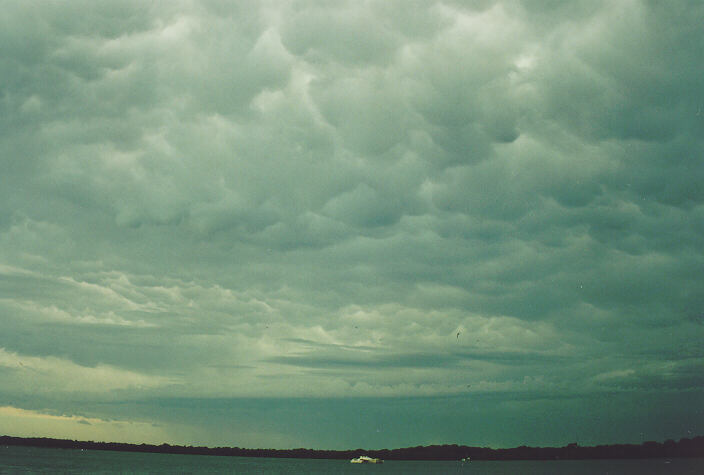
[71, 461]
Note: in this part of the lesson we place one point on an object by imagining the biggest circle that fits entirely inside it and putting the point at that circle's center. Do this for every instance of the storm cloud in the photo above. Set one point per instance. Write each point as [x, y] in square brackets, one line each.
[352, 206]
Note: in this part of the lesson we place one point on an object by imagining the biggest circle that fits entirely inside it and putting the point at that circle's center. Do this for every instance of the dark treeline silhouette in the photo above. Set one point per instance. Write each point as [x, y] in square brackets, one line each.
[693, 447]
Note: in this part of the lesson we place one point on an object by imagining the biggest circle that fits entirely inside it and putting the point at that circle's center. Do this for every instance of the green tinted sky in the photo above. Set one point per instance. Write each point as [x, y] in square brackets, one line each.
[344, 224]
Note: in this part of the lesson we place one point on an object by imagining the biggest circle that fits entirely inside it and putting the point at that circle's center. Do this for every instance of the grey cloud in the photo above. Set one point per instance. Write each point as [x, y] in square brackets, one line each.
[303, 199]
[415, 360]
[343, 32]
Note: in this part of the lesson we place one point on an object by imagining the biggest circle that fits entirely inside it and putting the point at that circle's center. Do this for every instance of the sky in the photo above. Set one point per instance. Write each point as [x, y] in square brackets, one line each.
[334, 224]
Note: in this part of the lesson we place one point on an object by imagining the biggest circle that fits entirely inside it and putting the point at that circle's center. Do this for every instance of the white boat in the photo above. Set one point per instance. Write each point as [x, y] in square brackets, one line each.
[365, 459]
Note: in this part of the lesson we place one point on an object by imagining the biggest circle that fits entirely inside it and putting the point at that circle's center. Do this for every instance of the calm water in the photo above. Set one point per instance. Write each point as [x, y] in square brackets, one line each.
[35, 460]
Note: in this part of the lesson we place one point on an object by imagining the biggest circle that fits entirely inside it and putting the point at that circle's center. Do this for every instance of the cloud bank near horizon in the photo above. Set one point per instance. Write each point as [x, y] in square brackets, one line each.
[485, 201]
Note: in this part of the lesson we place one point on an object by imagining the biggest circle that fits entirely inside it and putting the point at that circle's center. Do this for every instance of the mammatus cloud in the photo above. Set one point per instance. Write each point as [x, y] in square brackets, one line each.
[498, 203]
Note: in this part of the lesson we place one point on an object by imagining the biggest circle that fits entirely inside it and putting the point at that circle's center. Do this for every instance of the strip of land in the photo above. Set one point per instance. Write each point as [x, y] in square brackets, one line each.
[685, 447]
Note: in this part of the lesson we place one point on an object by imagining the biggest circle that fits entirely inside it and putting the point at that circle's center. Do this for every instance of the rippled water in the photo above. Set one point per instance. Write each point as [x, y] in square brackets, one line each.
[38, 460]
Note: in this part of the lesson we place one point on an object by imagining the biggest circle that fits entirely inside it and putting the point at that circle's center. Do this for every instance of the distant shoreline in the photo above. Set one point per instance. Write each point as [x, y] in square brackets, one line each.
[691, 448]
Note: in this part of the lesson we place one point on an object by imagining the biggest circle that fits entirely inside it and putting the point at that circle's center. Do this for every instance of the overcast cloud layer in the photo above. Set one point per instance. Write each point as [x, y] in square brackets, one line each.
[334, 224]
